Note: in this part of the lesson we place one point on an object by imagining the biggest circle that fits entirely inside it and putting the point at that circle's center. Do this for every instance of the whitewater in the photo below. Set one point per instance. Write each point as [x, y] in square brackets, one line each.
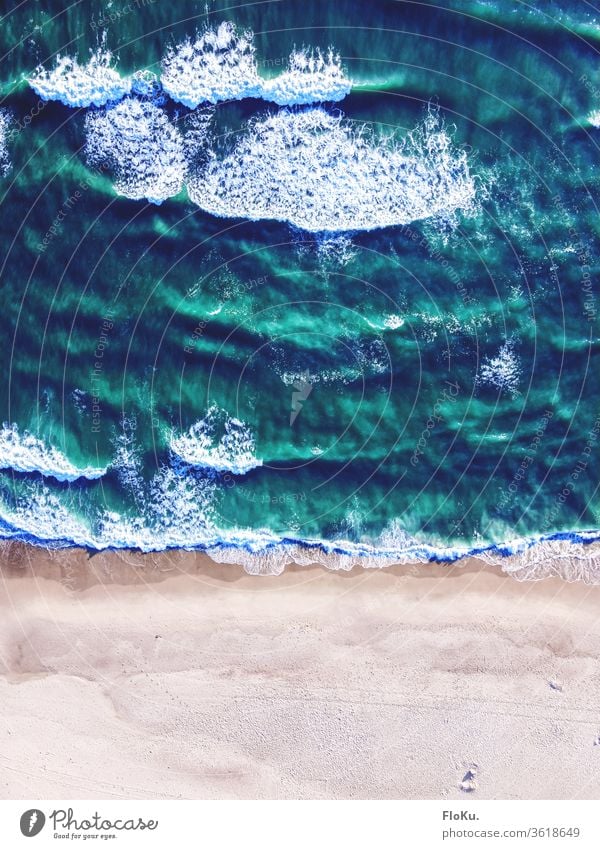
[216, 65]
[178, 507]
[21, 451]
[178, 515]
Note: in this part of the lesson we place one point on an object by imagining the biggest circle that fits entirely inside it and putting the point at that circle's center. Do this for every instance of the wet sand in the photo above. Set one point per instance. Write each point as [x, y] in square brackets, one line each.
[137, 676]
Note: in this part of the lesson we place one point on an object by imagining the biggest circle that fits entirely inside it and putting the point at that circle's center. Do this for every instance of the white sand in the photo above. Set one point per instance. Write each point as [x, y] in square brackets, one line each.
[175, 678]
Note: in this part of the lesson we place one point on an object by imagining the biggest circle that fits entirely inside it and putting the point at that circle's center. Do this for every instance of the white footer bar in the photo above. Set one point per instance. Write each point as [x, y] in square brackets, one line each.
[301, 825]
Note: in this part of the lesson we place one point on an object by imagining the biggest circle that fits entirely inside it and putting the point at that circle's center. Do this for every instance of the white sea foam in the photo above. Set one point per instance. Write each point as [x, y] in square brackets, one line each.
[502, 371]
[526, 558]
[365, 357]
[42, 518]
[216, 65]
[127, 460]
[177, 512]
[393, 322]
[320, 173]
[173, 509]
[594, 118]
[95, 83]
[220, 64]
[142, 148]
[5, 119]
[217, 442]
[23, 452]
[334, 250]
[311, 77]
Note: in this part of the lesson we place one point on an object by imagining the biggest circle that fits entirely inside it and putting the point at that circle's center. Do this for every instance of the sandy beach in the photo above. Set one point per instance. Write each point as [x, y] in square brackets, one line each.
[173, 677]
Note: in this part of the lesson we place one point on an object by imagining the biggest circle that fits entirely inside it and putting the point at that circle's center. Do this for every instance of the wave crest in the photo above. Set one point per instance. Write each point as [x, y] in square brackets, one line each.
[220, 64]
[93, 84]
[24, 452]
[217, 442]
[311, 77]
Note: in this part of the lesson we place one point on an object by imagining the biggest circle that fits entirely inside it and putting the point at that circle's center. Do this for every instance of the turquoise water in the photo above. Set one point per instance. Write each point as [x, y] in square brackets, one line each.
[354, 307]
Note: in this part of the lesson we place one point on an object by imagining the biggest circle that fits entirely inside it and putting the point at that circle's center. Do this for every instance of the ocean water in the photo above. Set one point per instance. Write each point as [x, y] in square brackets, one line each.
[301, 281]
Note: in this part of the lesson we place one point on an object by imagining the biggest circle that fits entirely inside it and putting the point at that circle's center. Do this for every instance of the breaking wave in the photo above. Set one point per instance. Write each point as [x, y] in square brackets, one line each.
[23, 452]
[220, 64]
[216, 65]
[217, 442]
[319, 173]
[93, 84]
[176, 508]
[137, 142]
[311, 77]
[178, 513]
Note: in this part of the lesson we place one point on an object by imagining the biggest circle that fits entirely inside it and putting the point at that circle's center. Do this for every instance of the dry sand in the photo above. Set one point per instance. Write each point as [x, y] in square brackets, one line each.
[172, 677]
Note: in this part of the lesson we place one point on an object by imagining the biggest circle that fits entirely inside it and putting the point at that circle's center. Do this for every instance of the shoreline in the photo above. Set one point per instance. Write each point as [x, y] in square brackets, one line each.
[370, 683]
[564, 558]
